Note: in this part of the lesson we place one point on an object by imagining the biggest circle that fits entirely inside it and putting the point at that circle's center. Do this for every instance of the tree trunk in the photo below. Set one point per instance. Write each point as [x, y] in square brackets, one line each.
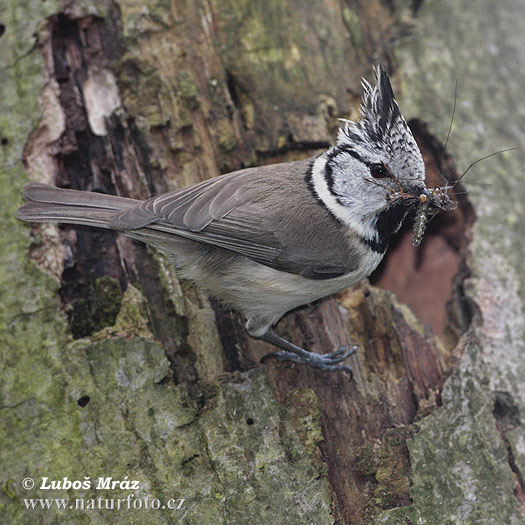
[111, 367]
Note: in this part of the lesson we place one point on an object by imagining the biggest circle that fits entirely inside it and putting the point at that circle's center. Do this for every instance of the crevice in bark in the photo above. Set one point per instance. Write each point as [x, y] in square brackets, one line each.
[229, 327]
[83, 164]
[507, 416]
[170, 328]
[98, 264]
[233, 90]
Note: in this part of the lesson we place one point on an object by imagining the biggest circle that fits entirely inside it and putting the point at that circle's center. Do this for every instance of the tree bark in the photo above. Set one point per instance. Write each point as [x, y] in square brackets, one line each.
[111, 366]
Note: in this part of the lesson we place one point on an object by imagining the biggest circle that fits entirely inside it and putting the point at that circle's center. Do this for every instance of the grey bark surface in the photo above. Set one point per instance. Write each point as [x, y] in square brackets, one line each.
[469, 457]
[110, 366]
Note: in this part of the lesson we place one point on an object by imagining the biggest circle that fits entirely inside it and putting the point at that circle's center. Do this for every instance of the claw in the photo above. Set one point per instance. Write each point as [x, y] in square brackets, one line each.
[337, 352]
[299, 355]
[321, 361]
[343, 352]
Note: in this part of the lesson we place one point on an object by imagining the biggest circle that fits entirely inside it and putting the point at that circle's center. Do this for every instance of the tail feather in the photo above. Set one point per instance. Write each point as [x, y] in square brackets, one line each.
[51, 204]
[35, 212]
[38, 192]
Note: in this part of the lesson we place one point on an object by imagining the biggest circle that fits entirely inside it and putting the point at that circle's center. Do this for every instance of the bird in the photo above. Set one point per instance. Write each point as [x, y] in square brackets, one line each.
[265, 240]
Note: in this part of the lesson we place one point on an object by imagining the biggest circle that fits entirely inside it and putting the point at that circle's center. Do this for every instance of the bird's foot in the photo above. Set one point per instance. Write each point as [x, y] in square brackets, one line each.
[322, 361]
[296, 354]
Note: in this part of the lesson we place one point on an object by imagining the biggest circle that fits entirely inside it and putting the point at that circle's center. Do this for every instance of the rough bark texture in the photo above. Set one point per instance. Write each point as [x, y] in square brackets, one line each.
[112, 367]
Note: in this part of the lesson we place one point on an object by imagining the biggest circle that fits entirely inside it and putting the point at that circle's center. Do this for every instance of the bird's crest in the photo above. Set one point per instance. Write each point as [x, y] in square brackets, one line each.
[381, 115]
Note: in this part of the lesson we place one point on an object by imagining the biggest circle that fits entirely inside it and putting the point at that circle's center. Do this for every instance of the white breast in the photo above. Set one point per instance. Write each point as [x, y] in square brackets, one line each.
[258, 291]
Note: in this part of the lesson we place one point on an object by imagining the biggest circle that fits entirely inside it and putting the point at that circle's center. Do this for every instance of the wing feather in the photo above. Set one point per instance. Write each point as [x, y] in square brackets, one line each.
[236, 212]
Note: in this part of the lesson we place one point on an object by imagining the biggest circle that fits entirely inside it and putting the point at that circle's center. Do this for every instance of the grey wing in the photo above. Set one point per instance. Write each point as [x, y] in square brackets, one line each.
[236, 212]
[189, 208]
[283, 245]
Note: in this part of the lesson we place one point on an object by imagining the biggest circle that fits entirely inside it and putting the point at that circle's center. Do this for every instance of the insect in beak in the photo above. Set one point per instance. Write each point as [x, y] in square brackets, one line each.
[424, 196]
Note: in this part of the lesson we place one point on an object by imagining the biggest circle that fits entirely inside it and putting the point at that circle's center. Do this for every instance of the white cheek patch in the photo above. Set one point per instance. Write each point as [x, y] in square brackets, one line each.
[351, 216]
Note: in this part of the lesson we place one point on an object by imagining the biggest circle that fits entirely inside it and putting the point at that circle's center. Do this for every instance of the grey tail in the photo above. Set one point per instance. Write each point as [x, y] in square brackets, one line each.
[50, 204]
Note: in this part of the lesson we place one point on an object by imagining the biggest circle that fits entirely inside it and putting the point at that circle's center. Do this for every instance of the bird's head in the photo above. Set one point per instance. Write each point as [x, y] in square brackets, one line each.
[375, 160]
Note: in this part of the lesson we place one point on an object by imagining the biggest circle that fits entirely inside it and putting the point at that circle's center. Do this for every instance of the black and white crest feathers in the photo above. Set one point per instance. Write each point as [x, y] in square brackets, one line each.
[383, 134]
[380, 113]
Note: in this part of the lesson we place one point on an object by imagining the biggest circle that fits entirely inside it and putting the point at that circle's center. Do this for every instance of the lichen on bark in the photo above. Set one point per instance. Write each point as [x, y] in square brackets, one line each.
[465, 469]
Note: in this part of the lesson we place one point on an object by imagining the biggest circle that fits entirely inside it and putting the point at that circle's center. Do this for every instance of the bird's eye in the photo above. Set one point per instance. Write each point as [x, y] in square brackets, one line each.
[378, 171]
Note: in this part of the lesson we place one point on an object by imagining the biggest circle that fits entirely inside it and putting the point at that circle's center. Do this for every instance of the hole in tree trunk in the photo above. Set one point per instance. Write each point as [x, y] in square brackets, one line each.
[429, 276]
[83, 401]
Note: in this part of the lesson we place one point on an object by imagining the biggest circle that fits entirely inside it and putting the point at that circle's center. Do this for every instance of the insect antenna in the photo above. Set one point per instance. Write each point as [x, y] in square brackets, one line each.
[372, 181]
[472, 164]
[451, 119]
[449, 131]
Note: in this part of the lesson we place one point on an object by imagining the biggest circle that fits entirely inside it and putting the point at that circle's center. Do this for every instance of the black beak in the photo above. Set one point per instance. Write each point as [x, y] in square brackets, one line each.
[420, 192]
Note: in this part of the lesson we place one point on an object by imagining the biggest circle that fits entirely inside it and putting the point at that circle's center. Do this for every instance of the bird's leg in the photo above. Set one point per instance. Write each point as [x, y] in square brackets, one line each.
[299, 355]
